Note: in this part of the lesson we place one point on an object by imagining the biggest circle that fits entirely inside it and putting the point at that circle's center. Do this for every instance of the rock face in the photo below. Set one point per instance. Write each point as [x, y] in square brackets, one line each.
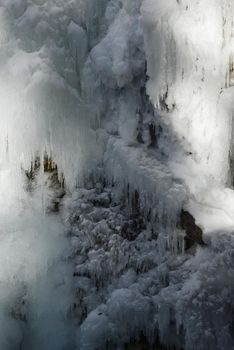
[231, 71]
[50, 178]
[193, 232]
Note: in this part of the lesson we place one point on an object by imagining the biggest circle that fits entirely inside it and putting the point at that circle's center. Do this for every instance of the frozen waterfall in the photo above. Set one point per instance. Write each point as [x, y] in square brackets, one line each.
[116, 174]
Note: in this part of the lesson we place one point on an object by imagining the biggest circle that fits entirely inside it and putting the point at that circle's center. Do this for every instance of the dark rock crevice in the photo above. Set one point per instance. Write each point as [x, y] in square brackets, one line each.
[194, 234]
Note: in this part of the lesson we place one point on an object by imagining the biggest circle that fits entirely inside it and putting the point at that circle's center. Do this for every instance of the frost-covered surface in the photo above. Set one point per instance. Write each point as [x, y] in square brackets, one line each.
[135, 94]
[113, 81]
[43, 48]
[161, 198]
[36, 289]
[189, 71]
[126, 286]
[190, 76]
[40, 110]
[189, 51]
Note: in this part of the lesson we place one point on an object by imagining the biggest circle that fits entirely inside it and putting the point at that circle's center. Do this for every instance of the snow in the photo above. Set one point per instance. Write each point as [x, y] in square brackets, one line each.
[34, 275]
[191, 74]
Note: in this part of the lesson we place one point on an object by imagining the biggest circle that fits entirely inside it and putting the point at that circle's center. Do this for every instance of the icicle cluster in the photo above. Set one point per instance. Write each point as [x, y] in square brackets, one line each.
[43, 47]
[189, 49]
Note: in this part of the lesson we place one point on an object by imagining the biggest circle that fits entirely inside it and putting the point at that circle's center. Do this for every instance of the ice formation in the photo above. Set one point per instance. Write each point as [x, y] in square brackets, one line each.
[116, 119]
[189, 72]
[175, 155]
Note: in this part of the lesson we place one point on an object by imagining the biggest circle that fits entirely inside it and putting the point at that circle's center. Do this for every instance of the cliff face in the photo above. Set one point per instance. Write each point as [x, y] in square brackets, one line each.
[128, 242]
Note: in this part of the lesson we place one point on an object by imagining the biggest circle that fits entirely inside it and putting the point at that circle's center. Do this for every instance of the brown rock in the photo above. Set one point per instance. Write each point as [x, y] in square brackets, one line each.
[194, 234]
